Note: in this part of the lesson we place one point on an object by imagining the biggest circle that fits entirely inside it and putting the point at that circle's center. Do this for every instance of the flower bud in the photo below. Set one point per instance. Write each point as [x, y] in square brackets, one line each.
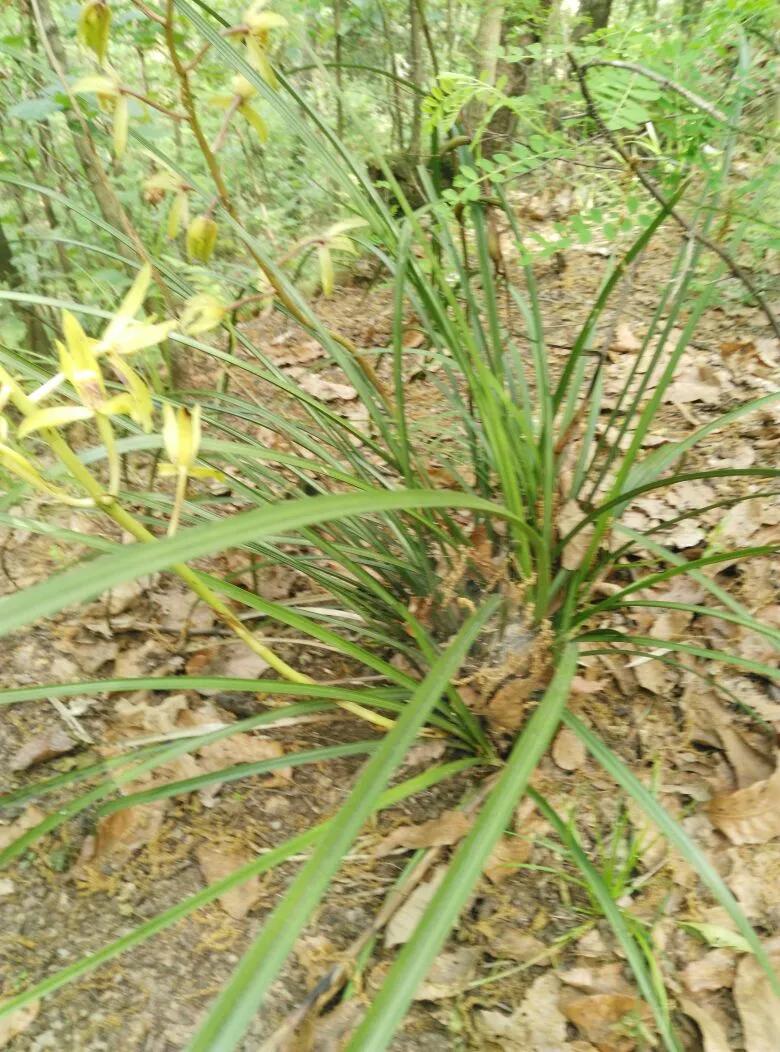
[93, 27]
[201, 238]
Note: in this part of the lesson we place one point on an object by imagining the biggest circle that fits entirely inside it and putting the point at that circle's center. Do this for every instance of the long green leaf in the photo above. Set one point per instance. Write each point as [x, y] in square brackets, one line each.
[137, 560]
[237, 1004]
[411, 966]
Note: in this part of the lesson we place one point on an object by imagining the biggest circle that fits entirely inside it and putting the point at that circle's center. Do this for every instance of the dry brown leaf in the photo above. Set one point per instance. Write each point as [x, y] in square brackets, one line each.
[536, 1026]
[295, 354]
[425, 752]
[218, 861]
[625, 340]
[319, 387]
[515, 944]
[52, 742]
[509, 853]
[448, 828]
[180, 609]
[713, 1035]
[582, 685]
[598, 1016]
[569, 516]
[757, 1004]
[749, 816]
[123, 833]
[450, 974]
[17, 1022]
[568, 752]
[232, 658]
[240, 748]
[596, 979]
[405, 920]
[714, 971]
[755, 880]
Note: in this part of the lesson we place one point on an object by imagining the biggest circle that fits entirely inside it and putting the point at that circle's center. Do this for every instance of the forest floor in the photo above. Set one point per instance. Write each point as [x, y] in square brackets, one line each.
[532, 964]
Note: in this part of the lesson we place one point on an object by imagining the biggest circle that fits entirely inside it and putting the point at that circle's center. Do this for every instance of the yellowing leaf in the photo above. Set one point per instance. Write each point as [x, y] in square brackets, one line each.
[176, 216]
[93, 27]
[326, 269]
[121, 115]
[716, 935]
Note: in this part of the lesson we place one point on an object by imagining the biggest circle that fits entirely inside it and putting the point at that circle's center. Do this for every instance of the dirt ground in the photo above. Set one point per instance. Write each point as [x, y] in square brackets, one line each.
[532, 955]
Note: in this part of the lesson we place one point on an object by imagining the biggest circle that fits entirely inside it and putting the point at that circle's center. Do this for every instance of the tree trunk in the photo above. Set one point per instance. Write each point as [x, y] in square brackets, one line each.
[109, 207]
[486, 47]
[515, 32]
[594, 14]
[691, 13]
[10, 277]
[416, 76]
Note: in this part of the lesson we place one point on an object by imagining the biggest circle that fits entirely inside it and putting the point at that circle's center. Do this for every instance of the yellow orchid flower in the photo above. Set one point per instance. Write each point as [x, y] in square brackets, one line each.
[201, 238]
[181, 435]
[201, 313]
[260, 23]
[124, 333]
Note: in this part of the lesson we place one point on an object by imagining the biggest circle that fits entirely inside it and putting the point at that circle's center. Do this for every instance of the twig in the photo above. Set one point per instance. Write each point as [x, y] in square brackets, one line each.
[659, 78]
[680, 89]
[155, 17]
[155, 105]
[654, 192]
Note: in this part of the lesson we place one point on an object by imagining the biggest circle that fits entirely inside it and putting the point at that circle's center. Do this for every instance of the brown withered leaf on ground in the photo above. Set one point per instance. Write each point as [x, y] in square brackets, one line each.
[448, 828]
[52, 742]
[536, 1026]
[754, 879]
[405, 920]
[707, 721]
[569, 516]
[120, 835]
[568, 752]
[713, 1036]
[17, 1022]
[585, 686]
[319, 387]
[232, 658]
[757, 1004]
[625, 340]
[598, 1017]
[295, 354]
[449, 975]
[515, 944]
[713, 971]
[218, 861]
[509, 853]
[695, 382]
[596, 978]
[749, 816]
[240, 748]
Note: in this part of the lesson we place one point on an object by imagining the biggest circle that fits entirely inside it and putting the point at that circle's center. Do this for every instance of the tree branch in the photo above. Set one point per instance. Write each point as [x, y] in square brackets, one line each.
[654, 192]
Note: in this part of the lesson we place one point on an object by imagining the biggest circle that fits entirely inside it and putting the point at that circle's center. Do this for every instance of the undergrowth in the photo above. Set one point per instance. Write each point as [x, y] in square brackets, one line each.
[497, 578]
